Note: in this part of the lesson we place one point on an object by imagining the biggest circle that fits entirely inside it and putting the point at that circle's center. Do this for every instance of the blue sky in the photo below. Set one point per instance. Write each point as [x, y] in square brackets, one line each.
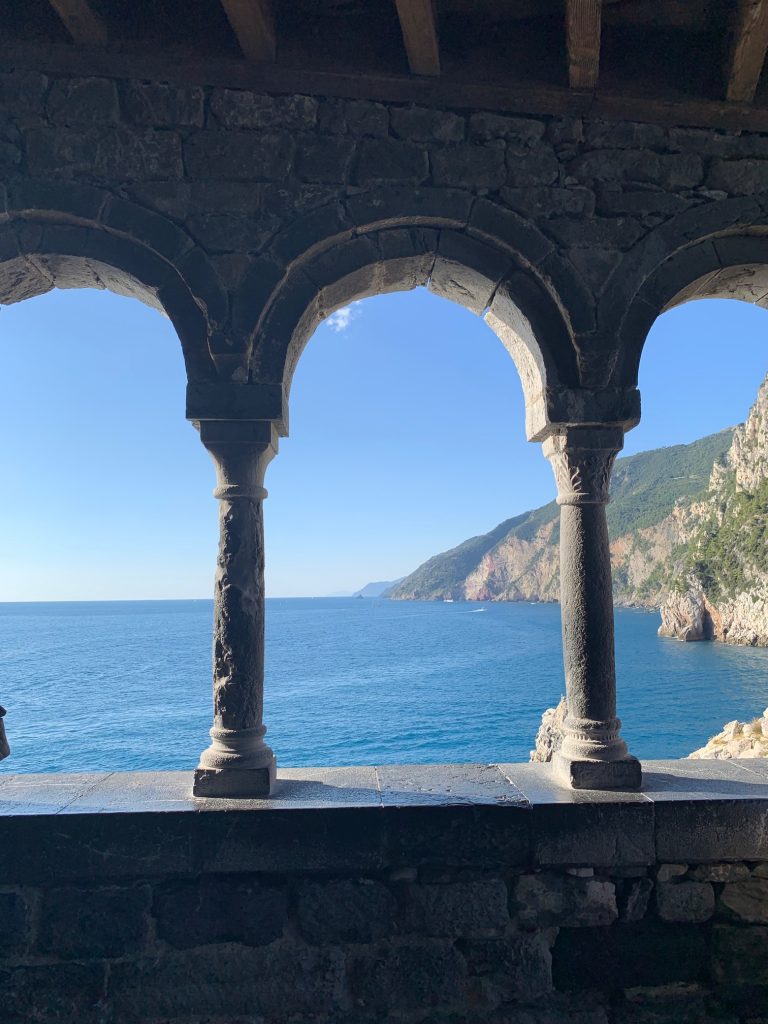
[406, 438]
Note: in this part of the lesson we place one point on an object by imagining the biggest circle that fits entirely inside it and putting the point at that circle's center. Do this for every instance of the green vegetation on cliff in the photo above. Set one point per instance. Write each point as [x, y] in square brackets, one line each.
[644, 490]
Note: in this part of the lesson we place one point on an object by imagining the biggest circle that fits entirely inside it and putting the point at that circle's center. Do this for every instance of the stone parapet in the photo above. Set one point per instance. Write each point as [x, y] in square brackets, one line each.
[365, 895]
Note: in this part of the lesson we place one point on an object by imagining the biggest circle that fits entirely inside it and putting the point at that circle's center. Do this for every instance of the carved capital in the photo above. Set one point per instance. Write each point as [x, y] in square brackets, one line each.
[582, 460]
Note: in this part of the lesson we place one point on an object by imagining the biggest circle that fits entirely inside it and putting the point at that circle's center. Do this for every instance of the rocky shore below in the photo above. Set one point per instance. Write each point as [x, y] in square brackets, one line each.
[737, 739]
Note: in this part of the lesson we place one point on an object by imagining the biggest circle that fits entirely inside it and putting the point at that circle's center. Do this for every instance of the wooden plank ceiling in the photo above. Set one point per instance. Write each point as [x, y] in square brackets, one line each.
[710, 50]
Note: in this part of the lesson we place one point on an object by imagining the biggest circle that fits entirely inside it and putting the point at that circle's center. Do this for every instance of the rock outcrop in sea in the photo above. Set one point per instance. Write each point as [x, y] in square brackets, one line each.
[688, 528]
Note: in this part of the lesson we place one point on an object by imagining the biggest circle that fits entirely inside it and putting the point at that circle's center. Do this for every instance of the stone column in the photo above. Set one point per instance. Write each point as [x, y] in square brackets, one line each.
[238, 762]
[593, 755]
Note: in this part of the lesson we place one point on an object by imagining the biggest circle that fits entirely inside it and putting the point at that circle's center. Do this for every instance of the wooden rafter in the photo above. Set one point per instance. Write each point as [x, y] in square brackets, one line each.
[419, 26]
[81, 21]
[747, 52]
[583, 23]
[254, 26]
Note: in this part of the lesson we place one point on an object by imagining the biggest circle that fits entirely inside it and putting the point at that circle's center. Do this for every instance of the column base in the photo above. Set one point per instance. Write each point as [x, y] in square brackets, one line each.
[235, 783]
[586, 773]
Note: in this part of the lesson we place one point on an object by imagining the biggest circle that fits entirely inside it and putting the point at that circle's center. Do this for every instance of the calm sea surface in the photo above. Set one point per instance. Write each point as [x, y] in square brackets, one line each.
[126, 685]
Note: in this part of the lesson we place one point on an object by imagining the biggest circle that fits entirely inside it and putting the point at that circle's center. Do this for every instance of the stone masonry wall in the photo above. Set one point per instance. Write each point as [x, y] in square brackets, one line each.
[631, 945]
[237, 170]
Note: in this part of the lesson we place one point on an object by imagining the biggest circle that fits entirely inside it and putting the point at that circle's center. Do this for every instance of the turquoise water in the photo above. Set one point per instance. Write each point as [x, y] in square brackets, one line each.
[126, 685]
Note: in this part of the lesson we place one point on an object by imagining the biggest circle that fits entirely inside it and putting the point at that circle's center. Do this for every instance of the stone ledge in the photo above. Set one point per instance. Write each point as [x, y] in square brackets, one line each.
[373, 819]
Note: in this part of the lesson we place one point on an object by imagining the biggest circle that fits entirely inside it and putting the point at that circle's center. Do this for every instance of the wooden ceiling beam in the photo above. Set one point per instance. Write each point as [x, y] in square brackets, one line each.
[253, 24]
[418, 22]
[81, 21]
[747, 52]
[583, 27]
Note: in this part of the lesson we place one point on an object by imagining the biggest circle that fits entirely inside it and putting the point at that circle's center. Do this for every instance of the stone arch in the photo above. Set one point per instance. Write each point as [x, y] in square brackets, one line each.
[77, 236]
[471, 251]
[716, 251]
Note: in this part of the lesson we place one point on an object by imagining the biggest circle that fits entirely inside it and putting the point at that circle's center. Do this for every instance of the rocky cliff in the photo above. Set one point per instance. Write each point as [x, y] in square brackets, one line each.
[689, 534]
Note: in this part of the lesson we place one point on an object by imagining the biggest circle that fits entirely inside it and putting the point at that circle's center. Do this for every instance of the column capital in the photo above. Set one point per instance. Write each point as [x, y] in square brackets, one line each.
[241, 451]
[582, 459]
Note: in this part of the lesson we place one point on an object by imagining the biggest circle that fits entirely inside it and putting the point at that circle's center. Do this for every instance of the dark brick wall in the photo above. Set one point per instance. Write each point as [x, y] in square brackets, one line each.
[631, 945]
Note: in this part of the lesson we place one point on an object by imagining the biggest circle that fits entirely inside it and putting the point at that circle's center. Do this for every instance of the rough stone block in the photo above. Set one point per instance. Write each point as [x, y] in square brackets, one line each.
[363, 117]
[527, 170]
[522, 132]
[419, 124]
[219, 910]
[238, 156]
[607, 232]
[740, 955]
[625, 774]
[156, 103]
[667, 871]
[639, 203]
[739, 177]
[746, 901]
[539, 202]
[599, 834]
[52, 992]
[390, 160]
[113, 154]
[346, 910]
[720, 873]
[469, 167]
[325, 159]
[616, 165]
[680, 170]
[542, 900]
[94, 923]
[83, 101]
[685, 901]
[14, 921]
[515, 967]
[412, 976]
[633, 897]
[225, 981]
[458, 908]
[235, 108]
[703, 830]
[626, 955]
[22, 93]
[624, 135]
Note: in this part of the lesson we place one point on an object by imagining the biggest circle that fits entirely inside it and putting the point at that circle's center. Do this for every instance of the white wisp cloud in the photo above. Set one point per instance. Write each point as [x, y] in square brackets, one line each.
[342, 318]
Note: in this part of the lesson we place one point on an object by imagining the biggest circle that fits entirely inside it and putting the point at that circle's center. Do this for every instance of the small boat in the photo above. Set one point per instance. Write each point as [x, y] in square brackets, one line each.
[447, 600]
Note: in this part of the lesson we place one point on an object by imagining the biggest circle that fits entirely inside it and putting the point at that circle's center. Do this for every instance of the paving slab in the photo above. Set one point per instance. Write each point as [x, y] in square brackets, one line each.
[446, 785]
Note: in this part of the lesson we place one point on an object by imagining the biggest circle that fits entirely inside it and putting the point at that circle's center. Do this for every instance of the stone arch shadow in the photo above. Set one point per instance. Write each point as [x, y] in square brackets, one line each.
[75, 236]
[720, 251]
[508, 277]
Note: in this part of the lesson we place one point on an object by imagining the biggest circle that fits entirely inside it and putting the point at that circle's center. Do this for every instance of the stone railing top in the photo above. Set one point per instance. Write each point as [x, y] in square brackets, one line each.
[330, 819]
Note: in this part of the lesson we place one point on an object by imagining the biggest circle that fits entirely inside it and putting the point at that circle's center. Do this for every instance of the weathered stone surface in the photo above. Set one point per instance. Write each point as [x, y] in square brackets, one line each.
[420, 124]
[739, 177]
[626, 955]
[519, 131]
[746, 901]
[634, 895]
[156, 103]
[94, 923]
[225, 981]
[115, 153]
[412, 976]
[390, 160]
[607, 232]
[23, 92]
[549, 899]
[544, 202]
[638, 203]
[198, 913]
[238, 156]
[83, 100]
[719, 873]
[325, 159]
[685, 901]
[740, 955]
[458, 908]
[623, 135]
[365, 118]
[526, 170]
[512, 967]
[680, 171]
[346, 911]
[469, 166]
[14, 921]
[52, 992]
[236, 108]
[616, 165]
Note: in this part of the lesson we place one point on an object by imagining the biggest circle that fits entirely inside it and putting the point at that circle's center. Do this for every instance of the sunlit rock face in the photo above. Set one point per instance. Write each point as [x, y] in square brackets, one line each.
[738, 739]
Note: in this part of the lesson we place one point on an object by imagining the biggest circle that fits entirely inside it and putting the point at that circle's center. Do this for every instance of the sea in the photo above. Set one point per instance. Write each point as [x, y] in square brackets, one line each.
[126, 685]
